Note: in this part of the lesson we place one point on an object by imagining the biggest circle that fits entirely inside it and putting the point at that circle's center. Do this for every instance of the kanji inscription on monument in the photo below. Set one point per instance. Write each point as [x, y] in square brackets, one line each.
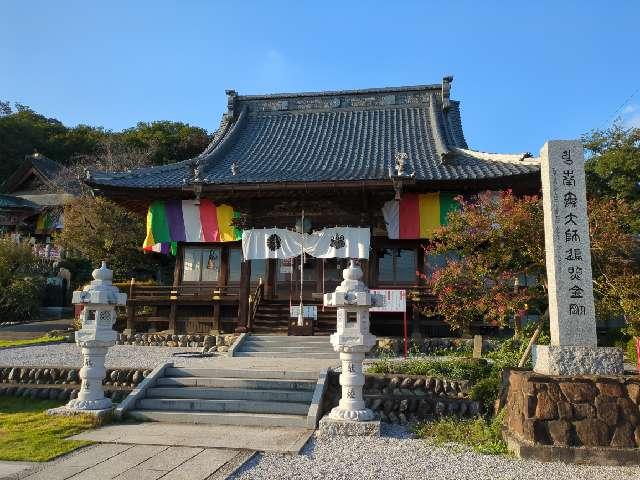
[566, 229]
[572, 319]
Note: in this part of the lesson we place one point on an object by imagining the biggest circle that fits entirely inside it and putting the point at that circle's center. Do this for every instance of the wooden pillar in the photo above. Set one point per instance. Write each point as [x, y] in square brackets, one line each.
[131, 318]
[216, 318]
[131, 309]
[173, 308]
[372, 266]
[416, 322]
[319, 266]
[270, 281]
[243, 306]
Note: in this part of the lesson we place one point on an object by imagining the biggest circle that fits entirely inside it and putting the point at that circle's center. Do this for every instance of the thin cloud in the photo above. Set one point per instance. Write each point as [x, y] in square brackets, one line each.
[631, 116]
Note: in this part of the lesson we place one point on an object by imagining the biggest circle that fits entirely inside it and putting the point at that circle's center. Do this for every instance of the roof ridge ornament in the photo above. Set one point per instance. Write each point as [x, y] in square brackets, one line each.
[400, 175]
[232, 95]
[446, 91]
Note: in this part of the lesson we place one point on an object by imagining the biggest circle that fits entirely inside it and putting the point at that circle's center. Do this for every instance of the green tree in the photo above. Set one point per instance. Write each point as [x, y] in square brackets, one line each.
[613, 166]
[23, 131]
[170, 141]
[98, 229]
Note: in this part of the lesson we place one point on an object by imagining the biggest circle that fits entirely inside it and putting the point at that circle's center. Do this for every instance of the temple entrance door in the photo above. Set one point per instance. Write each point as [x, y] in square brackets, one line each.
[331, 273]
[288, 278]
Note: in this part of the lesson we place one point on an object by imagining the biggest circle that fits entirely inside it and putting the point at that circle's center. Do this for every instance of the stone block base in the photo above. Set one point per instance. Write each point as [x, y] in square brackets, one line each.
[331, 428]
[581, 455]
[101, 415]
[566, 417]
[577, 360]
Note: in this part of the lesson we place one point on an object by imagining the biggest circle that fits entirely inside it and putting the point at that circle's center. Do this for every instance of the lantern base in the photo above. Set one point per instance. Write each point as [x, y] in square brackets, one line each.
[65, 411]
[101, 404]
[331, 427]
[364, 415]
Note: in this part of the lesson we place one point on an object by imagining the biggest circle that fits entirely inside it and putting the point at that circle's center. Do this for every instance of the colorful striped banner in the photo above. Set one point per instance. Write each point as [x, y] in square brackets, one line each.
[173, 221]
[418, 215]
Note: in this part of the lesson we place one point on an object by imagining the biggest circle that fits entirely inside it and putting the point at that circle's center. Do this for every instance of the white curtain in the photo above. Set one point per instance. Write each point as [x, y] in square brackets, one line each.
[339, 242]
[263, 243]
[336, 242]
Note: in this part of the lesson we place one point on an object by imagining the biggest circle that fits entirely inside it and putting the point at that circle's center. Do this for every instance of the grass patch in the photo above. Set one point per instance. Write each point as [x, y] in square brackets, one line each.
[31, 341]
[481, 434]
[472, 369]
[27, 433]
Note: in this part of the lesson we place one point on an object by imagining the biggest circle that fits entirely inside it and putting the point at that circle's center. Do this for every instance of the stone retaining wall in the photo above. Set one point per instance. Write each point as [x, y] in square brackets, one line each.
[213, 343]
[408, 398]
[585, 411]
[62, 384]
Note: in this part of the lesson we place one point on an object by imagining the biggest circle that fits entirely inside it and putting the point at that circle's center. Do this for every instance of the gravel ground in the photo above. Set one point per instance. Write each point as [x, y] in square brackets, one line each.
[396, 455]
[68, 355]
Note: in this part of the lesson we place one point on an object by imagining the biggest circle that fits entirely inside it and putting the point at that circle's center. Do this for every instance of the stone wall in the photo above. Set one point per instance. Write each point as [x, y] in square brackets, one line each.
[408, 398]
[213, 343]
[587, 411]
[62, 384]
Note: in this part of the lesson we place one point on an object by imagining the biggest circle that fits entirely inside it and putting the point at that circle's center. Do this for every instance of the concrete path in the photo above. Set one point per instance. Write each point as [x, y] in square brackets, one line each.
[27, 331]
[263, 439]
[12, 469]
[142, 462]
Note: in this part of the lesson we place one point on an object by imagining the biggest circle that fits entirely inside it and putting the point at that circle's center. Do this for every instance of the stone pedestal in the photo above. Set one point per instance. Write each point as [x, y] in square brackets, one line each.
[573, 349]
[94, 338]
[577, 360]
[352, 339]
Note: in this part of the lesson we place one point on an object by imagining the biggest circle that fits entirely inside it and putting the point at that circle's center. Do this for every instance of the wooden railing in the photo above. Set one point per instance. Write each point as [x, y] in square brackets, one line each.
[155, 296]
[255, 300]
[149, 293]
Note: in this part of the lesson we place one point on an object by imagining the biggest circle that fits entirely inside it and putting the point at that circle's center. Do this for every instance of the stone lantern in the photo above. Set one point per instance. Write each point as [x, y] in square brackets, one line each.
[95, 337]
[352, 339]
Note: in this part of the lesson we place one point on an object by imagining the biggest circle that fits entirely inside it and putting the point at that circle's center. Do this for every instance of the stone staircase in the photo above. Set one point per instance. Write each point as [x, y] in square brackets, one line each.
[269, 398]
[280, 346]
[272, 317]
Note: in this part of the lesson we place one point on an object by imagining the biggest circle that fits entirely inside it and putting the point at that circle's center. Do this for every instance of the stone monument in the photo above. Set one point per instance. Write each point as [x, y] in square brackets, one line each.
[573, 349]
[94, 338]
[352, 339]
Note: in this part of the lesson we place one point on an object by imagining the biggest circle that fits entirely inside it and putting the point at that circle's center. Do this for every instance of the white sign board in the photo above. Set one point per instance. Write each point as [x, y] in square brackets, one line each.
[309, 311]
[393, 301]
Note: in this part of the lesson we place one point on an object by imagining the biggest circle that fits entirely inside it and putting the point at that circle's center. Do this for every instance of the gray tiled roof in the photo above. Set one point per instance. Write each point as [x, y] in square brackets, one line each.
[332, 136]
[11, 202]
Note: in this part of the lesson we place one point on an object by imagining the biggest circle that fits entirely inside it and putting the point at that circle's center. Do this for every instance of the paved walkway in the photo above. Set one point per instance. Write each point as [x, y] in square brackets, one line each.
[142, 462]
[263, 439]
[13, 469]
[27, 331]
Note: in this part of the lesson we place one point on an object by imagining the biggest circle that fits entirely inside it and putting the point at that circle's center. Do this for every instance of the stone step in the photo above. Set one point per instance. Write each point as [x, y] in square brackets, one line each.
[286, 355]
[241, 373]
[243, 383]
[223, 406]
[284, 348]
[213, 418]
[282, 338]
[268, 395]
[285, 340]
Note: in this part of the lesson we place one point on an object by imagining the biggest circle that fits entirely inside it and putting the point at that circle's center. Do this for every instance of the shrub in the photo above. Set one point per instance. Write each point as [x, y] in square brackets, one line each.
[486, 390]
[472, 369]
[21, 281]
[20, 298]
[483, 435]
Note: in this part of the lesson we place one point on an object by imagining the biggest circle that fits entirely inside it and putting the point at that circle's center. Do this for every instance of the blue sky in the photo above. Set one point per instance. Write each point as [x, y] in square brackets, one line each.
[524, 71]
